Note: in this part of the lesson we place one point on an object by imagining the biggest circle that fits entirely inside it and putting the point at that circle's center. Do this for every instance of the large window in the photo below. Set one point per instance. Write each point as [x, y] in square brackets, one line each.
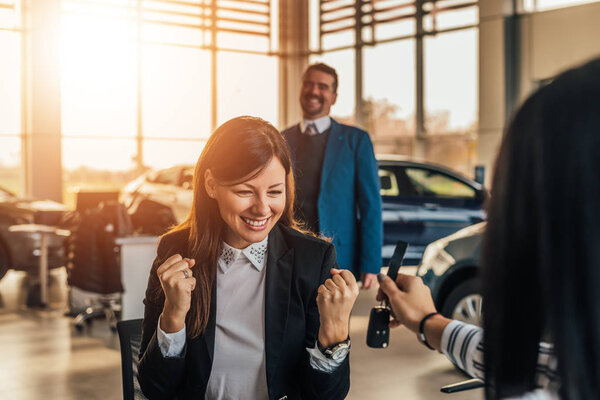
[251, 90]
[542, 5]
[389, 79]
[144, 82]
[413, 70]
[10, 95]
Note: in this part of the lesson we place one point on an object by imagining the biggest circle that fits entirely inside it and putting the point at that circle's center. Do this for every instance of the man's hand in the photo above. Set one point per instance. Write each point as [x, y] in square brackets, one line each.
[177, 283]
[335, 300]
[368, 280]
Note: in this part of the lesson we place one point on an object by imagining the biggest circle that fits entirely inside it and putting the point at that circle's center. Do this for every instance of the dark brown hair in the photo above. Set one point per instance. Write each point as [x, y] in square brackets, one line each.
[540, 254]
[237, 151]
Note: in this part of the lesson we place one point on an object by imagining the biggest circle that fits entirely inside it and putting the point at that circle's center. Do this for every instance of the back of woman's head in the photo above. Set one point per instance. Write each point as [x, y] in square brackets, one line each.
[541, 258]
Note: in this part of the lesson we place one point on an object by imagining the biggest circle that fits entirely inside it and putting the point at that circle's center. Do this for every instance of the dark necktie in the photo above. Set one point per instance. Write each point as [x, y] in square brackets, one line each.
[311, 130]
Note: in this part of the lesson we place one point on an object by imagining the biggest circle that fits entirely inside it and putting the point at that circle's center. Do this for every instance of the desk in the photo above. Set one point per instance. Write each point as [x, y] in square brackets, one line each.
[43, 231]
[137, 255]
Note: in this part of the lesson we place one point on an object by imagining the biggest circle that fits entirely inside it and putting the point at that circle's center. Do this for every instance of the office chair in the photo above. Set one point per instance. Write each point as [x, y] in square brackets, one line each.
[130, 339]
[93, 259]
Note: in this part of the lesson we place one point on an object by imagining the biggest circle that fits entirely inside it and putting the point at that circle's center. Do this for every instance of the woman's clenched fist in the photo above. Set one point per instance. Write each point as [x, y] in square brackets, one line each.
[177, 282]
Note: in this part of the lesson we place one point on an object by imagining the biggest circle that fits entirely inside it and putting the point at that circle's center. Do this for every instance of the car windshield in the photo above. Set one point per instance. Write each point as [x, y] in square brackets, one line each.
[5, 195]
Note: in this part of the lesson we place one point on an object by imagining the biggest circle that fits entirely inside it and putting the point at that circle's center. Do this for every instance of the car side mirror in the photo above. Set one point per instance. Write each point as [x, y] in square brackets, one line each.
[385, 182]
[481, 194]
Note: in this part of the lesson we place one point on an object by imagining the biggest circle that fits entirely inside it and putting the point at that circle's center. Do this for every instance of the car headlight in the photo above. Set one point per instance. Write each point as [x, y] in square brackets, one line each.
[435, 258]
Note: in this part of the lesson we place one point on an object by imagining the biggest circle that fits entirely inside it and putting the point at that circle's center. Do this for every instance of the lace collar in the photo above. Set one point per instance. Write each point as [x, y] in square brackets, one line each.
[255, 253]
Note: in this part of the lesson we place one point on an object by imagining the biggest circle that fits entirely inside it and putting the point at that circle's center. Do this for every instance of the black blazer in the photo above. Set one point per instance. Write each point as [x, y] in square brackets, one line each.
[296, 265]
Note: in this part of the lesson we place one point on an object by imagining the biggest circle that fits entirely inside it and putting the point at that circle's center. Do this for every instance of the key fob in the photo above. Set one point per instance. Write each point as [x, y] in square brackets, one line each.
[378, 332]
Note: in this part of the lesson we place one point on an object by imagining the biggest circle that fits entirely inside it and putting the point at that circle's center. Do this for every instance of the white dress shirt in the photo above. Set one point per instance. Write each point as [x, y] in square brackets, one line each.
[463, 345]
[239, 369]
[322, 124]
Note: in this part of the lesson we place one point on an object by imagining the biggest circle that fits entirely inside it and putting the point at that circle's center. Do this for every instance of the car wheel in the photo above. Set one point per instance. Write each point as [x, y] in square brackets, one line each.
[3, 261]
[464, 303]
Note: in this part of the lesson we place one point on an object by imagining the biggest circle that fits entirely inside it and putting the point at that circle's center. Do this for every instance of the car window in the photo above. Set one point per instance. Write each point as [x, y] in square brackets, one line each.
[167, 176]
[388, 183]
[5, 195]
[434, 184]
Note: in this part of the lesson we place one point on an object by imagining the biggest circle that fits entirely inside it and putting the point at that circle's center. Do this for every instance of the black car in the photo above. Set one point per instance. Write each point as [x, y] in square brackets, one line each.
[20, 250]
[450, 268]
[422, 202]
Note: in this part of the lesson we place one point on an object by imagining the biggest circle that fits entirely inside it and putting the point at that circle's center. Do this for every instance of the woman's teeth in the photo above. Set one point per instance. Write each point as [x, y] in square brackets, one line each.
[255, 222]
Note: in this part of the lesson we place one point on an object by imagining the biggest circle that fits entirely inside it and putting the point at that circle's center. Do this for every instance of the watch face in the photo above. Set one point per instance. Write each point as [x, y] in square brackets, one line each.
[340, 353]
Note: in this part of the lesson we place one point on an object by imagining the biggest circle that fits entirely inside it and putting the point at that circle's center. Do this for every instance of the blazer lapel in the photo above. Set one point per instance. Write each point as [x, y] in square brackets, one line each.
[209, 333]
[277, 297]
[292, 140]
[333, 150]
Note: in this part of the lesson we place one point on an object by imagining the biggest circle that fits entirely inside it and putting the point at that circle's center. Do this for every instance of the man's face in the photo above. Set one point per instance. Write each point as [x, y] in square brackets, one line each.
[317, 95]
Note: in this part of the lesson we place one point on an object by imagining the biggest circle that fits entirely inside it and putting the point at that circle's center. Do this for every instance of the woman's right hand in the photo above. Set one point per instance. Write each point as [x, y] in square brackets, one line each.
[409, 298]
[177, 282]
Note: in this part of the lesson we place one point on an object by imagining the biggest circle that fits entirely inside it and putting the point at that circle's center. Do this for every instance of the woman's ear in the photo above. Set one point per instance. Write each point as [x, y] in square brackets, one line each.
[210, 185]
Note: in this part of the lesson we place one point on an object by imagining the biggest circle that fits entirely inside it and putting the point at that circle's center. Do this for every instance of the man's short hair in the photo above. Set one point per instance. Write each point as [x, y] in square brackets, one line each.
[323, 68]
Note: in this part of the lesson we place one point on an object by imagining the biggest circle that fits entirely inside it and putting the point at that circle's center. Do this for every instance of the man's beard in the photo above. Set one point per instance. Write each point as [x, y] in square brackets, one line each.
[306, 110]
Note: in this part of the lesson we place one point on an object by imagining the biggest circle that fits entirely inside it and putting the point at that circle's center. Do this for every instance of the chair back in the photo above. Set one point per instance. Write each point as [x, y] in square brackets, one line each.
[130, 339]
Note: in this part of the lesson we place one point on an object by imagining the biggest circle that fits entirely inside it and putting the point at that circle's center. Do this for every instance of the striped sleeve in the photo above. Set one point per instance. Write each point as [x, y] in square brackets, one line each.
[463, 345]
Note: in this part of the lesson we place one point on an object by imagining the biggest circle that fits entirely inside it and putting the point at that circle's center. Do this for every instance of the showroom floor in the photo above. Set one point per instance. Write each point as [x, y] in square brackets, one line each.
[42, 357]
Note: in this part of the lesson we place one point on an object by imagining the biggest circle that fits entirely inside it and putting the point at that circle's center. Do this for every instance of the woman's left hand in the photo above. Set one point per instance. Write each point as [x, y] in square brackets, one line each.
[335, 300]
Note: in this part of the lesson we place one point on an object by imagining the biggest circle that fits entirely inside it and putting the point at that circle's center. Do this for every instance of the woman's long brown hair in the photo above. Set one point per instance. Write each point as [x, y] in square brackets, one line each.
[237, 151]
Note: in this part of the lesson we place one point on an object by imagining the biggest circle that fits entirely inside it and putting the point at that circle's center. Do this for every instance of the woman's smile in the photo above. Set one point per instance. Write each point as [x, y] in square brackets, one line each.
[256, 224]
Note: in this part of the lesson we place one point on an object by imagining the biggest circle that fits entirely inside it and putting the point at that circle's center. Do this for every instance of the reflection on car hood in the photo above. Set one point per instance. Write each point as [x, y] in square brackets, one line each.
[33, 211]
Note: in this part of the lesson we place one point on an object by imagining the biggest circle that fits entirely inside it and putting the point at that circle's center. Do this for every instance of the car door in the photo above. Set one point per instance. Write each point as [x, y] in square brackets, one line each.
[400, 213]
[445, 203]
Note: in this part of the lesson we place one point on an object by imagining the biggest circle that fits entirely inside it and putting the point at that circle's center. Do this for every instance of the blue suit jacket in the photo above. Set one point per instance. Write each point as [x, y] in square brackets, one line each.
[349, 200]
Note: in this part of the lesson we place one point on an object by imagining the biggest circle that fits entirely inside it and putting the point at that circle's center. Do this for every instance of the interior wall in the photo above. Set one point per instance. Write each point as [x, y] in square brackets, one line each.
[550, 41]
[559, 39]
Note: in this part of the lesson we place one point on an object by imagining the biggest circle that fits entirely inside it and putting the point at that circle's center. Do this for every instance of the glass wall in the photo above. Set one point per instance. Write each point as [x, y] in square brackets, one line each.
[419, 72]
[389, 79]
[543, 5]
[141, 88]
[10, 95]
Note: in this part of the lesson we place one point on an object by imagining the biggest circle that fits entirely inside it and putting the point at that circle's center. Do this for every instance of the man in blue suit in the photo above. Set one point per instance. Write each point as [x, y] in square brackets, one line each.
[337, 184]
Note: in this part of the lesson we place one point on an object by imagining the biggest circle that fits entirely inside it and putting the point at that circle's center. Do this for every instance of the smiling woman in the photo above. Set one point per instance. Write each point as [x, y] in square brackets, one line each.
[238, 291]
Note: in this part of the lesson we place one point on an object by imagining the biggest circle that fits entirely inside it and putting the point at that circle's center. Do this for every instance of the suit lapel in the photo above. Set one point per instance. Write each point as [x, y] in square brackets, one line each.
[333, 150]
[209, 333]
[277, 297]
[292, 140]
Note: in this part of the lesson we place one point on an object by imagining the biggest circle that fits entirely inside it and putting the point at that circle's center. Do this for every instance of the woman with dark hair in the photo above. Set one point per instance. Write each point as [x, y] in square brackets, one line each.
[541, 258]
[240, 302]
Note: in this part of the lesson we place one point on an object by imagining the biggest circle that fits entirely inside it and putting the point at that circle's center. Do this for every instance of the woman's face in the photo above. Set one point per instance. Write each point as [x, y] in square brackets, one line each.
[251, 208]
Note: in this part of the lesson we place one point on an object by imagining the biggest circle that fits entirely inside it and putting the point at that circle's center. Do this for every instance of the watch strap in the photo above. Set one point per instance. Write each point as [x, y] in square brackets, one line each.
[329, 351]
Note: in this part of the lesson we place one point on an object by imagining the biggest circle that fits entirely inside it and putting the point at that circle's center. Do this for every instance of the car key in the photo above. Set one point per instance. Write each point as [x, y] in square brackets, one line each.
[378, 331]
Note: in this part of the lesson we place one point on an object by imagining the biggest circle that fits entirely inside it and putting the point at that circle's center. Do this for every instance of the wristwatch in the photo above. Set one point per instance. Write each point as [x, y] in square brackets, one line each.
[336, 351]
